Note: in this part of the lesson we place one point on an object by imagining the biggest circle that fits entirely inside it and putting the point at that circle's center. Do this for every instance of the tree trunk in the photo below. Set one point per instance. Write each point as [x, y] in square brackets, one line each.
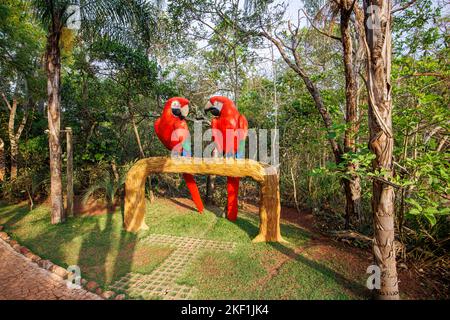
[210, 181]
[69, 135]
[377, 18]
[14, 156]
[135, 129]
[53, 68]
[352, 188]
[352, 184]
[14, 135]
[138, 138]
[2, 160]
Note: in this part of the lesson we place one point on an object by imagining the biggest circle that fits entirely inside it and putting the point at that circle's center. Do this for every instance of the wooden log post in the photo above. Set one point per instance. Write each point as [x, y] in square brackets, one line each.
[266, 176]
[69, 172]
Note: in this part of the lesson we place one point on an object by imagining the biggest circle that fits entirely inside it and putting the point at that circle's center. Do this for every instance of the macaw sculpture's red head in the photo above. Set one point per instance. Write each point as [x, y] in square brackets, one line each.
[176, 107]
[172, 119]
[217, 104]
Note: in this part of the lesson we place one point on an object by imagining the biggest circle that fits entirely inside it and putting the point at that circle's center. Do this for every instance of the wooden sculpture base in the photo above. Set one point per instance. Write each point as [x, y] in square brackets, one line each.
[266, 176]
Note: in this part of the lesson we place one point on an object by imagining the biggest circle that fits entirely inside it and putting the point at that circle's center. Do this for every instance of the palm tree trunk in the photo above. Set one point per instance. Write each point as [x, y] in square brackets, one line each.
[378, 44]
[53, 68]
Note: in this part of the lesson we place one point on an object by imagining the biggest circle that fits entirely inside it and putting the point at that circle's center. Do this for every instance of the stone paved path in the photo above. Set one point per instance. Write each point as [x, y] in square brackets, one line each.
[161, 283]
[24, 280]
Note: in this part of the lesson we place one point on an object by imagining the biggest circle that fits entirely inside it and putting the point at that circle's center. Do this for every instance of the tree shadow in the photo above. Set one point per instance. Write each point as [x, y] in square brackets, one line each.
[98, 259]
[104, 254]
[94, 258]
[246, 225]
[14, 215]
[297, 234]
[250, 224]
[181, 204]
[352, 286]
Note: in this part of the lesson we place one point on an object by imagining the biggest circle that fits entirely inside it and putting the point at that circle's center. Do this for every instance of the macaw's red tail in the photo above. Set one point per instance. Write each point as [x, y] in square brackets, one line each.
[195, 195]
[233, 193]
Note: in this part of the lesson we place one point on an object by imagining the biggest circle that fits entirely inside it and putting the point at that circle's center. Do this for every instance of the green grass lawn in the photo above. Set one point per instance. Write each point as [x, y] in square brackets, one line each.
[105, 252]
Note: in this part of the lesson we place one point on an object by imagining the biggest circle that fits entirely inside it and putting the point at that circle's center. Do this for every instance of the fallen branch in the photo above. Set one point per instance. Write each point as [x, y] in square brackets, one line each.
[349, 234]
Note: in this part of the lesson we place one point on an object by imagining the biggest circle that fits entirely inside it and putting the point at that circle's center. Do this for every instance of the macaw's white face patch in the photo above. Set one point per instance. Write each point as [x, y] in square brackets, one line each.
[185, 110]
[218, 105]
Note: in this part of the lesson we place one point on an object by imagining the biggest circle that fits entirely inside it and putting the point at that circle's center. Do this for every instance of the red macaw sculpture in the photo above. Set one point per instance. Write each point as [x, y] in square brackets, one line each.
[172, 129]
[230, 130]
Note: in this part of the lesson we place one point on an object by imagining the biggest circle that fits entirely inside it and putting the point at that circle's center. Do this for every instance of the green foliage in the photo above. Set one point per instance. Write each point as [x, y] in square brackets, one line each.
[429, 185]
[107, 185]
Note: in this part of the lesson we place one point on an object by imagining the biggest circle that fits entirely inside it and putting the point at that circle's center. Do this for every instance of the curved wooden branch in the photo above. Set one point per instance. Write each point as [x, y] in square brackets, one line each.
[266, 176]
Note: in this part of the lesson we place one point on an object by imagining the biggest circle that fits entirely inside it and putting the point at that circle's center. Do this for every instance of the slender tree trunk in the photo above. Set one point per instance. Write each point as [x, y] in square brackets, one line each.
[2, 160]
[378, 40]
[210, 183]
[210, 180]
[352, 185]
[12, 139]
[141, 149]
[69, 150]
[138, 138]
[53, 68]
[14, 156]
[135, 129]
[14, 135]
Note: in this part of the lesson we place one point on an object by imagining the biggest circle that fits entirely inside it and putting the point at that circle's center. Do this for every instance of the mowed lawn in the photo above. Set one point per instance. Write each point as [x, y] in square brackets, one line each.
[105, 252]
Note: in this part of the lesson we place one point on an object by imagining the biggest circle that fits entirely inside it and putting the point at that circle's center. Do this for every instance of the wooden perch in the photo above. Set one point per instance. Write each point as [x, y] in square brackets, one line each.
[269, 209]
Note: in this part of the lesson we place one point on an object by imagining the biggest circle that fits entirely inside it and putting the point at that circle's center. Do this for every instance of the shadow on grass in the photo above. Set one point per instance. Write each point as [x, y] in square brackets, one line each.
[352, 286]
[97, 244]
[246, 225]
[181, 204]
[250, 224]
[14, 215]
[97, 248]
[299, 237]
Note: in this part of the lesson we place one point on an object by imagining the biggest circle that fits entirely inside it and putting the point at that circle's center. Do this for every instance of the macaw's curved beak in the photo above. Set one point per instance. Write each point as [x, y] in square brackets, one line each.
[208, 107]
[213, 108]
[176, 112]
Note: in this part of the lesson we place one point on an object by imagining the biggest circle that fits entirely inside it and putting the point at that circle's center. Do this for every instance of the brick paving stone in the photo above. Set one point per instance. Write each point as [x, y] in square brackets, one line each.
[21, 279]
